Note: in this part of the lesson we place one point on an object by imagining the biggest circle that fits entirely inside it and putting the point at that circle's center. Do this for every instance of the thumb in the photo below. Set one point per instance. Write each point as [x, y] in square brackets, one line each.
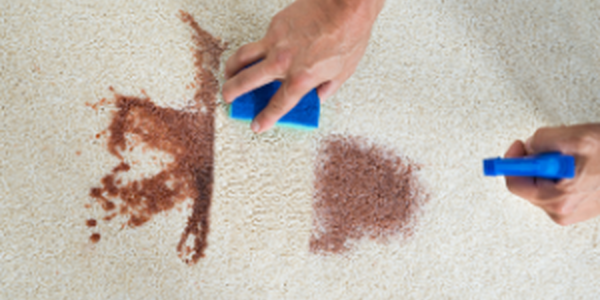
[536, 190]
[523, 187]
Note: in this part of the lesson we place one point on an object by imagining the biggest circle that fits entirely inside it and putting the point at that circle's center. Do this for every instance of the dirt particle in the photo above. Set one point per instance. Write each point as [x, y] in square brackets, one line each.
[122, 167]
[362, 190]
[109, 217]
[95, 192]
[95, 237]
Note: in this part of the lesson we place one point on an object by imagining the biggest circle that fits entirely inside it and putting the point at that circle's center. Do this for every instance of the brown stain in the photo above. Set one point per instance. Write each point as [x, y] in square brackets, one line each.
[362, 190]
[110, 217]
[91, 223]
[186, 135]
[95, 237]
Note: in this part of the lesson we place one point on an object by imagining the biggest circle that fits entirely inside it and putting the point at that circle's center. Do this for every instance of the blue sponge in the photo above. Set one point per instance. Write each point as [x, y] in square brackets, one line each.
[304, 116]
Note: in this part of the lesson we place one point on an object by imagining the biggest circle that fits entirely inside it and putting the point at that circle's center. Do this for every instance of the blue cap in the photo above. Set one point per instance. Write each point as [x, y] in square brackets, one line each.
[548, 165]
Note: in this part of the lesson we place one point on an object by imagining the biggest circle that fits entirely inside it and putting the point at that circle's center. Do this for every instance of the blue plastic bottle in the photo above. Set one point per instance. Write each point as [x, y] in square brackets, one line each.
[548, 165]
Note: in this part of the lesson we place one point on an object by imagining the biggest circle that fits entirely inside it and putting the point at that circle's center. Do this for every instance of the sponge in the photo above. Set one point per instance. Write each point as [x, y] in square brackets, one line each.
[305, 115]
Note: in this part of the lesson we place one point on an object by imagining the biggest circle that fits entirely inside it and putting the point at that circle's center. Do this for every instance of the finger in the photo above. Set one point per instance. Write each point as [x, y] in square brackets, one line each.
[327, 89]
[549, 139]
[528, 148]
[288, 95]
[548, 193]
[244, 56]
[523, 187]
[516, 149]
[585, 210]
[568, 204]
[249, 79]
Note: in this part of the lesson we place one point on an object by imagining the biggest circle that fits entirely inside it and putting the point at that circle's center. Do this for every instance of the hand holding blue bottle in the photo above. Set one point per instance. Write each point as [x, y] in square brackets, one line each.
[551, 165]
[566, 201]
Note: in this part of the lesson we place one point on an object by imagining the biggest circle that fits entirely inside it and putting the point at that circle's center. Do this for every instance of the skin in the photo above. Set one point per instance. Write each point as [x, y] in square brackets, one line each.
[570, 200]
[310, 44]
[319, 43]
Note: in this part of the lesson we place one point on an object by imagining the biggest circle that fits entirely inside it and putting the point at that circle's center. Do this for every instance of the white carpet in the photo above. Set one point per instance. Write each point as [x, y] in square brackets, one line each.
[446, 83]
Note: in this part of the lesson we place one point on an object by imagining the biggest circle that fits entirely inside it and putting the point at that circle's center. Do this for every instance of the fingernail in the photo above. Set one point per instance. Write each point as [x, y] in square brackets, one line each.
[255, 126]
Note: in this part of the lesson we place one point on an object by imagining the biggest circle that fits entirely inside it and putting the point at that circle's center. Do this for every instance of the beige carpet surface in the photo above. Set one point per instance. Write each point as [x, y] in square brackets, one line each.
[444, 83]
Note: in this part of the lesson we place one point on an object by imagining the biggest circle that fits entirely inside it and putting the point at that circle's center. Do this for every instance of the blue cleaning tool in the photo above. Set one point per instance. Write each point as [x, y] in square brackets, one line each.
[305, 115]
[548, 165]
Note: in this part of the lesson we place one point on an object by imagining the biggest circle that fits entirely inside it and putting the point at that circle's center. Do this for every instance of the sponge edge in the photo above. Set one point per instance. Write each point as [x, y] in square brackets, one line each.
[305, 115]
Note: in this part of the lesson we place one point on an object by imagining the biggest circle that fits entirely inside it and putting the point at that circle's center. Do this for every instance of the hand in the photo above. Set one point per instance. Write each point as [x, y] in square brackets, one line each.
[310, 44]
[570, 200]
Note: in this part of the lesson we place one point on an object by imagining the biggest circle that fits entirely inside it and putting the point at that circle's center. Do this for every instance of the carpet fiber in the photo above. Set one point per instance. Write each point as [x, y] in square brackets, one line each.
[443, 85]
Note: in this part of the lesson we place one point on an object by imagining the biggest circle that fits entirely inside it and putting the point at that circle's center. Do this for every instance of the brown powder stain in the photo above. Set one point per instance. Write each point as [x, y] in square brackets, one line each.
[110, 217]
[362, 190]
[186, 135]
[95, 237]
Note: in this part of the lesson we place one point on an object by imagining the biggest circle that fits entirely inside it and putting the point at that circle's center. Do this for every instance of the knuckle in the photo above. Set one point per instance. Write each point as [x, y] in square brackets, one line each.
[585, 143]
[244, 52]
[277, 27]
[299, 81]
[282, 59]
[277, 107]
[560, 208]
[538, 134]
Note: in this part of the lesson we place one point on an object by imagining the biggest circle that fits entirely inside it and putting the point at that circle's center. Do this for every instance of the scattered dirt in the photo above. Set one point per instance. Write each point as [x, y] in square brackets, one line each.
[187, 136]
